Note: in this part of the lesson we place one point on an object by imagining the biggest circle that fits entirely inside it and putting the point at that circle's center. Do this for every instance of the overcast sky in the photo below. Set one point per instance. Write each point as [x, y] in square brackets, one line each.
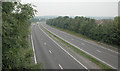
[75, 7]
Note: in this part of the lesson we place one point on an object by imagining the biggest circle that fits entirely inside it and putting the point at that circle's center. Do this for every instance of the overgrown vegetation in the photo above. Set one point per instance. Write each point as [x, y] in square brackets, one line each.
[107, 32]
[16, 51]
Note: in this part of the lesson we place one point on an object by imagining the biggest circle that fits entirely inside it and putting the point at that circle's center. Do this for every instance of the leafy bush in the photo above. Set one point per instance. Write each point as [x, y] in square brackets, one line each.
[16, 51]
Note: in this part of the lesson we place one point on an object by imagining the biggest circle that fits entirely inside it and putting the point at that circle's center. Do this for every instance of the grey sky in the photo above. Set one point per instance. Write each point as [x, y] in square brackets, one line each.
[75, 7]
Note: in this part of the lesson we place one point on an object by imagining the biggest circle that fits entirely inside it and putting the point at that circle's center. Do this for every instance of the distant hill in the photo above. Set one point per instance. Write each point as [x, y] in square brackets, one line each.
[99, 18]
[45, 17]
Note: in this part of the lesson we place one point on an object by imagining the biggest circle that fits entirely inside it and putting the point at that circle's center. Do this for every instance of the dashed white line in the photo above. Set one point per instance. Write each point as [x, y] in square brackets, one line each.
[64, 50]
[89, 42]
[50, 51]
[72, 39]
[83, 50]
[98, 51]
[33, 50]
[82, 43]
[44, 43]
[60, 66]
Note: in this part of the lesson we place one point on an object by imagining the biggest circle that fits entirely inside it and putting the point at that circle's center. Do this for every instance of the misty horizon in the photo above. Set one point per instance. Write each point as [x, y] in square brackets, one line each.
[98, 9]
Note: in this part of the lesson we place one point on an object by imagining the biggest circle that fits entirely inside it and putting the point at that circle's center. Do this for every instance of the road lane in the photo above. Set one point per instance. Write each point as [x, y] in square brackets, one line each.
[42, 54]
[109, 57]
[50, 54]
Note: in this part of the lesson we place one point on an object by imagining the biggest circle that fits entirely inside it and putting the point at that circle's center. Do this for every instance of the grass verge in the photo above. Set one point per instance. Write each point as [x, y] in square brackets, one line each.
[100, 64]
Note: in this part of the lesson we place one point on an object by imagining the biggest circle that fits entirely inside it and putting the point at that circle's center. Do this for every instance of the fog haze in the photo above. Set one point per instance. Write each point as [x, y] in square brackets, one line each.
[74, 8]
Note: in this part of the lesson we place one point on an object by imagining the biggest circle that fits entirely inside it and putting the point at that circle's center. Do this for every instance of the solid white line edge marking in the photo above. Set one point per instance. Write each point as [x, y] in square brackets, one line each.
[87, 41]
[33, 50]
[64, 50]
[83, 50]
[60, 66]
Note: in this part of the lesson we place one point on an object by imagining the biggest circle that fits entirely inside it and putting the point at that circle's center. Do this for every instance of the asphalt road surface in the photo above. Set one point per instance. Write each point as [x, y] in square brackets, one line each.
[49, 53]
[97, 51]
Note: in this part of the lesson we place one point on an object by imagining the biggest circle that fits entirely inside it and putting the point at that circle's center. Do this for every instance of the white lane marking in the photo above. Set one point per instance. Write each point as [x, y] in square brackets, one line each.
[98, 51]
[50, 51]
[109, 50]
[82, 43]
[87, 41]
[44, 43]
[83, 50]
[60, 66]
[33, 50]
[72, 39]
[96, 45]
[64, 49]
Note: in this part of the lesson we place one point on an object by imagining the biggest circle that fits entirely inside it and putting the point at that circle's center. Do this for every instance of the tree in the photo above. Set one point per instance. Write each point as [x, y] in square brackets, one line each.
[108, 32]
[16, 52]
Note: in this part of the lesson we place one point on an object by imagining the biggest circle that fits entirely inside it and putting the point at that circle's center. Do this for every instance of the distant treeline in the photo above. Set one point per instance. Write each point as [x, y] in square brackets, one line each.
[34, 20]
[107, 32]
[37, 19]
